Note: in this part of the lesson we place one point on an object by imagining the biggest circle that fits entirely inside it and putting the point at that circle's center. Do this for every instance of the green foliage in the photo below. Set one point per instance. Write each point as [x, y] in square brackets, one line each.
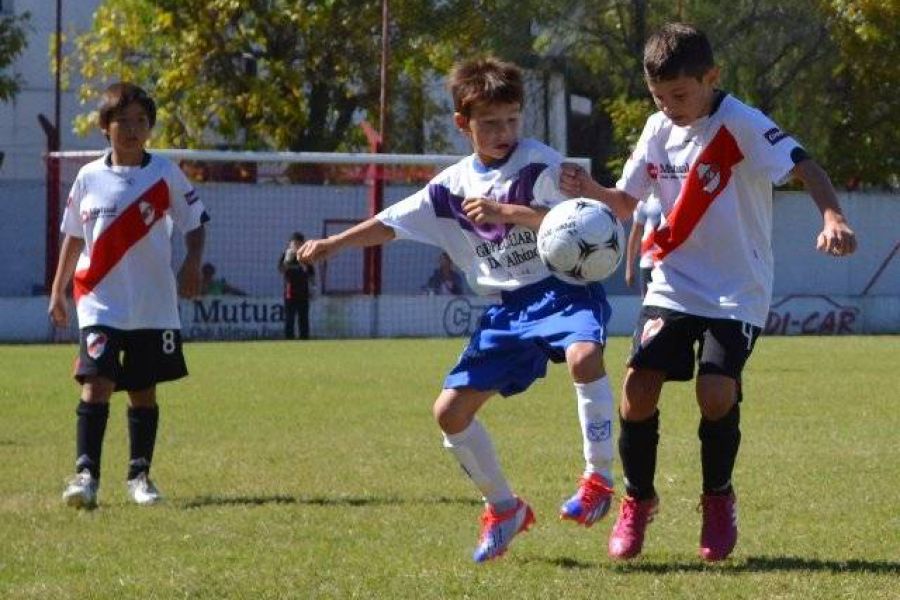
[13, 41]
[316, 470]
[282, 74]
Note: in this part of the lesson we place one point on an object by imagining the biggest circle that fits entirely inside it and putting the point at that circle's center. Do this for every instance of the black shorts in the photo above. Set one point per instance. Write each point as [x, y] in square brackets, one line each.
[134, 359]
[664, 340]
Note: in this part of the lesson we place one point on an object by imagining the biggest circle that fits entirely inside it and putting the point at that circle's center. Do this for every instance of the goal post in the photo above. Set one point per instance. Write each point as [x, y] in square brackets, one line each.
[257, 200]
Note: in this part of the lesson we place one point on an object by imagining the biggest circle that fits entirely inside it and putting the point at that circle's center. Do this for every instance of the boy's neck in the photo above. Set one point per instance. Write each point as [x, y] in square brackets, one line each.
[138, 159]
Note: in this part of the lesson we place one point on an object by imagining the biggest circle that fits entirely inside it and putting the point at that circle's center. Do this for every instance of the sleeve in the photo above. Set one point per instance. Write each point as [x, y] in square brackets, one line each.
[71, 219]
[187, 211]
[413, 218]
[636, 180]
[770, 150]
[546, 188]
[640, 213]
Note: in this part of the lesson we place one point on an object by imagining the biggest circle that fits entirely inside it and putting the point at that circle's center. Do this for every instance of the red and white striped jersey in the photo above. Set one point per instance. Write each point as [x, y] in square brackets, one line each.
[124, 277]
[713, 249]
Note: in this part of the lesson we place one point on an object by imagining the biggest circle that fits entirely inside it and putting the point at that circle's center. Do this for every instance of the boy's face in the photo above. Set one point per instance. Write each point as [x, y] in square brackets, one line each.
[493, 129]
[685, 98]
[129, 130]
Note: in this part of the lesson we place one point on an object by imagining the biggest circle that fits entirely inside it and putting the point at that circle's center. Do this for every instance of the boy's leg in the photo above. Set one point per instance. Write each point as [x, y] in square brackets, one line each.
[143, 422]
[595, 414]
[505, 515]
[151, 356]
[303, 314]
[725, 347]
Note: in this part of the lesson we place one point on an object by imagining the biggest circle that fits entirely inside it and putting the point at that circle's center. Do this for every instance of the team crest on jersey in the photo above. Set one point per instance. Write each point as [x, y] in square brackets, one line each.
[599, 430]
[652, 170]
[148, 213]
[96, 344]
[709, 177]
[651, 328]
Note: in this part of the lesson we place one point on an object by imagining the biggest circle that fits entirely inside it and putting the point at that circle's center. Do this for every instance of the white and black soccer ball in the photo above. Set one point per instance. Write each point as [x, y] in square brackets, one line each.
[581, 241]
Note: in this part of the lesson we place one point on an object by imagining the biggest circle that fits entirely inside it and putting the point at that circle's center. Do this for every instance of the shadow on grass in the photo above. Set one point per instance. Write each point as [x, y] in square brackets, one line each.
[261, 500]
[753, 564]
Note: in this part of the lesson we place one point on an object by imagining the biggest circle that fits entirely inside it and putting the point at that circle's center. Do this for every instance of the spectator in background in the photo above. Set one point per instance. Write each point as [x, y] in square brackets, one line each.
[210, 286]
[299, 279]
[445, 279]
[647, 218]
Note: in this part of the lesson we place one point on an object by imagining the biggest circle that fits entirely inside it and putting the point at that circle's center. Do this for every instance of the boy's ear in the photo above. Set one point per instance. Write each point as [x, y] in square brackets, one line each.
[461, 121]
[712, 76]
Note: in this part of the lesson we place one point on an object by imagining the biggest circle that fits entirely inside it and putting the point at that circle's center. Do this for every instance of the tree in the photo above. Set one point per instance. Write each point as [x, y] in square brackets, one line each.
[12, 43]
[282, 74]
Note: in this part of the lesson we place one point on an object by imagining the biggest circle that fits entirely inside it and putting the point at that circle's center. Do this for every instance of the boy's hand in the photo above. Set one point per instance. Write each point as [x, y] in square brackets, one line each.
[313, 251]
[57, 310]
[189, 280]
[483, 210]
[573, 180]
[836, 238]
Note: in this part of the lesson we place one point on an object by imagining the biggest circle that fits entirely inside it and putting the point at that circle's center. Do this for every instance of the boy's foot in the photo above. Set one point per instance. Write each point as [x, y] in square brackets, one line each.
[627, 537]
[81, 491]
[590, 503]
[498, 530]
[719, 533]
[142, 490]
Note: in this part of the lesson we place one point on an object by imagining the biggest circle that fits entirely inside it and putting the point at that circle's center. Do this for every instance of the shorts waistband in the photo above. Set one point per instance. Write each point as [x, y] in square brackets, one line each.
[533, 291]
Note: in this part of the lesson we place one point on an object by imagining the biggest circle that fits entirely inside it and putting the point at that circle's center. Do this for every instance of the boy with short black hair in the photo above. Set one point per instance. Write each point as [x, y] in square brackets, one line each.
[484, 212]
[118, 246]
[711, 160]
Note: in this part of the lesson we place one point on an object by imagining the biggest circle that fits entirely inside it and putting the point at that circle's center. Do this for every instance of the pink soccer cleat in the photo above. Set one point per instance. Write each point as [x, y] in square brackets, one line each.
[719, 533]
[627, 537]
[499, 529]
[590, 503]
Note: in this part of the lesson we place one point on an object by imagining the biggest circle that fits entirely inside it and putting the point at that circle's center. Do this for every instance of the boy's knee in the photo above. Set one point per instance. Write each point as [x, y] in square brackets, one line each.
[585, 361]
[641, 394]
[449, 415]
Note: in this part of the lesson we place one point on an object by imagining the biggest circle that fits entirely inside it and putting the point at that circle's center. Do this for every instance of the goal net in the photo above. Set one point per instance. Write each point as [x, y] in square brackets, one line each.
[257, 200]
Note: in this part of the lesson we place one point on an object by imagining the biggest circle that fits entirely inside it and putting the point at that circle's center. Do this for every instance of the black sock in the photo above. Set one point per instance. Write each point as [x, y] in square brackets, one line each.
[90, 427]
[142, 424]
[638, 441]
[719, 442]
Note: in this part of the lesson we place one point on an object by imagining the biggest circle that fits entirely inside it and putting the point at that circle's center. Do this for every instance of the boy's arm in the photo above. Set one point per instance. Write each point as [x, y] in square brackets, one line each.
[485, 210]
[189, 277]
[370, 232]
[631, 251]
[836, 238]
[576, 182]
[65, 267]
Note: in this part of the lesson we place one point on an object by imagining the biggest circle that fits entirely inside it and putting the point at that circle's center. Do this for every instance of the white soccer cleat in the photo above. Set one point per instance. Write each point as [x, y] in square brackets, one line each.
[81, 491]
[142, 490]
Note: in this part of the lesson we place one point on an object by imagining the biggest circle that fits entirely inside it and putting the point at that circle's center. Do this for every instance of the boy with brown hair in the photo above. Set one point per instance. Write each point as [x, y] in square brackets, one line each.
[484, 212]
[118, 247]
[711, 160]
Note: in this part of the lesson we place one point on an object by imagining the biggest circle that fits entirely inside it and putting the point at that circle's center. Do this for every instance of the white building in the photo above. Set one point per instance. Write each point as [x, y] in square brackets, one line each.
[22, 139]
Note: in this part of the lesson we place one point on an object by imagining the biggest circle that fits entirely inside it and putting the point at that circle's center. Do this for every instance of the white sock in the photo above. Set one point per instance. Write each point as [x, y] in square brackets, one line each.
[473, 449]
[595, 413]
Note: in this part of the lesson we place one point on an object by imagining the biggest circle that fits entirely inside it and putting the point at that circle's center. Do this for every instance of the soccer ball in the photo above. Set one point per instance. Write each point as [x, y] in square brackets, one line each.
[581, 241]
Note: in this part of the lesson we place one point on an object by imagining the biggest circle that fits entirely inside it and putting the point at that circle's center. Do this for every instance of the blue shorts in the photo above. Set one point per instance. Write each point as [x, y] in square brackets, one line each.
[531, 325]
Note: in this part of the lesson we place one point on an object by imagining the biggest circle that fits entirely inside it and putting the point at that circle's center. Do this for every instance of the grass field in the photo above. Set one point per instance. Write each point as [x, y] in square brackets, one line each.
[314, 470]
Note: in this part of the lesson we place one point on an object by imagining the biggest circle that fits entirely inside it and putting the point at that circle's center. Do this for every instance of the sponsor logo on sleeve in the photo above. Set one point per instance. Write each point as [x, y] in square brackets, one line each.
[191, 197]
[774, 135]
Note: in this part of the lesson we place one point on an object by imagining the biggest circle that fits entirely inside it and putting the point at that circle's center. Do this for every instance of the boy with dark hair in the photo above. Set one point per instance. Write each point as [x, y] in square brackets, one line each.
[118, 246]
[484, 212]
[711, 160]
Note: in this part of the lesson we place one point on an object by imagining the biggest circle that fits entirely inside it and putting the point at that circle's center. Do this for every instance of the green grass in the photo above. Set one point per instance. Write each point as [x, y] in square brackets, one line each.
[314, 470]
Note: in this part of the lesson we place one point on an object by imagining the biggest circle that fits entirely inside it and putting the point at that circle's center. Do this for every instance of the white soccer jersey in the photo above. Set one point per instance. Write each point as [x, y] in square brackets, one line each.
[648, 213]
[124, 277]
[493, 257]
[713, 250]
